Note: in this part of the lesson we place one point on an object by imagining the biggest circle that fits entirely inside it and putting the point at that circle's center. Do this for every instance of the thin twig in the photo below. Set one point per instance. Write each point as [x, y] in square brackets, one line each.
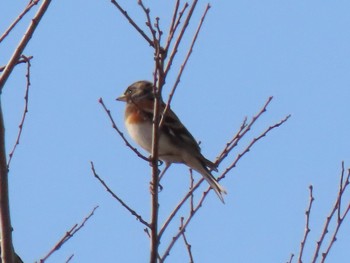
[20, 61]
[174, 25]
[131, 21]
[341, 217]
[177, 81]
[291, 258]
[23, 43]
[247, 149]
[69, 234]
[7, 253]
[29, 6]
[25, 111]
[70, 258]
[307, 225]
[120, 133]
[244, 129]
[132, 211]
[183, 200]
[188, 245]
[179, 38]
[147, 12]
[329, 218]
[205, 193]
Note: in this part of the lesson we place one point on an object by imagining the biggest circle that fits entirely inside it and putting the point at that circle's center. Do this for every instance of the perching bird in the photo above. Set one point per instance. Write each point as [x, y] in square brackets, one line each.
[176, 144]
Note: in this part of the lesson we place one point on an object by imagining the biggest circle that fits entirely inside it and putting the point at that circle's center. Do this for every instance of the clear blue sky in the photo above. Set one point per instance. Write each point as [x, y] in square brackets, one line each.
[296, 51]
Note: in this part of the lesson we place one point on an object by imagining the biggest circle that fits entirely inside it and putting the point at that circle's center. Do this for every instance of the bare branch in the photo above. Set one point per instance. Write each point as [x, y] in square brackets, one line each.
[224, 153]
[179, 38]
[29, 6]
[70, 258]
[25, 111]
[147, 12]
[23, 43]
[68, 236]
[174, 24]
[177, 81]
[242, 131]
[20, 61]
[133, 212]
[307, 226]
[131, 21]
[188, 246]
[291, 258]
[7, 253]
[247, 149]
[120, 133]
[205, 193]
[341, 217]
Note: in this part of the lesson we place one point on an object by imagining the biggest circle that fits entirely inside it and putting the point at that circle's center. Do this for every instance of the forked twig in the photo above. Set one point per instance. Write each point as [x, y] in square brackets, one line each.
[70, 233]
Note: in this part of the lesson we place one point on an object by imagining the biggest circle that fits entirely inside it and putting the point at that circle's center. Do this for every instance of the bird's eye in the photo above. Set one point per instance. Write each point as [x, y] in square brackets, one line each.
[128, 91]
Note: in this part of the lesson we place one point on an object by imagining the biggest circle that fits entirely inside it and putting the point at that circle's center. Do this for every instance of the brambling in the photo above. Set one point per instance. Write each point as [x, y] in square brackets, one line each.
[176, 144]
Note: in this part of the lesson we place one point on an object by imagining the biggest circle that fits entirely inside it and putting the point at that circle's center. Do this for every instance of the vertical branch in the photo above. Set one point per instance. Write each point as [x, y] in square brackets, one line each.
[307, 226]
[7, 254]
[23, 43]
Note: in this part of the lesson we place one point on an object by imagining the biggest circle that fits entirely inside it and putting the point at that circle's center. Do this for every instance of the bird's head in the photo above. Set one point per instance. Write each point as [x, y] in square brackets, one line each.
[138, 91]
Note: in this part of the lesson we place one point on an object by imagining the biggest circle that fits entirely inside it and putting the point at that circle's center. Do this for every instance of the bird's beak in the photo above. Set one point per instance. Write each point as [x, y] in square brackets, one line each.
[121, 98]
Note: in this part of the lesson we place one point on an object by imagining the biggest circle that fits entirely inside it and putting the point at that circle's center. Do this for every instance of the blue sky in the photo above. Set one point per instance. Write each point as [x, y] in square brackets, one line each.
[296, 51]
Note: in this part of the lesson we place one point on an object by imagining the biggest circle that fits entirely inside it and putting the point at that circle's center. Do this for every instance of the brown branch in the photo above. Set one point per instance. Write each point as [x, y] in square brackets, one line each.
[69, 234]
[25, 111]
[132, 22]
[174, 24]
[23, 43]
[205, 193]
[307, 225]
[336, 207]
[20, 61]
[340, 219]
[7, 253]
[147, 12]
[247, 149]
[15, 22]
[245, 128]
[179, 38]
[70, 258]
[120, 133]
[133, 212]
[177, 81]
[291, 258]
[219, 159]
[187, 244]
[155, 172]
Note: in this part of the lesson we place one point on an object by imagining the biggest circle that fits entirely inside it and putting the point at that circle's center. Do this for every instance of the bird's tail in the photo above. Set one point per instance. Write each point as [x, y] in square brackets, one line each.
[219, 190]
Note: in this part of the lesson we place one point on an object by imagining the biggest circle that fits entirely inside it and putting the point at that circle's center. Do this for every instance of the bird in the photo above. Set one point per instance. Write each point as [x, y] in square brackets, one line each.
[176, 144]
